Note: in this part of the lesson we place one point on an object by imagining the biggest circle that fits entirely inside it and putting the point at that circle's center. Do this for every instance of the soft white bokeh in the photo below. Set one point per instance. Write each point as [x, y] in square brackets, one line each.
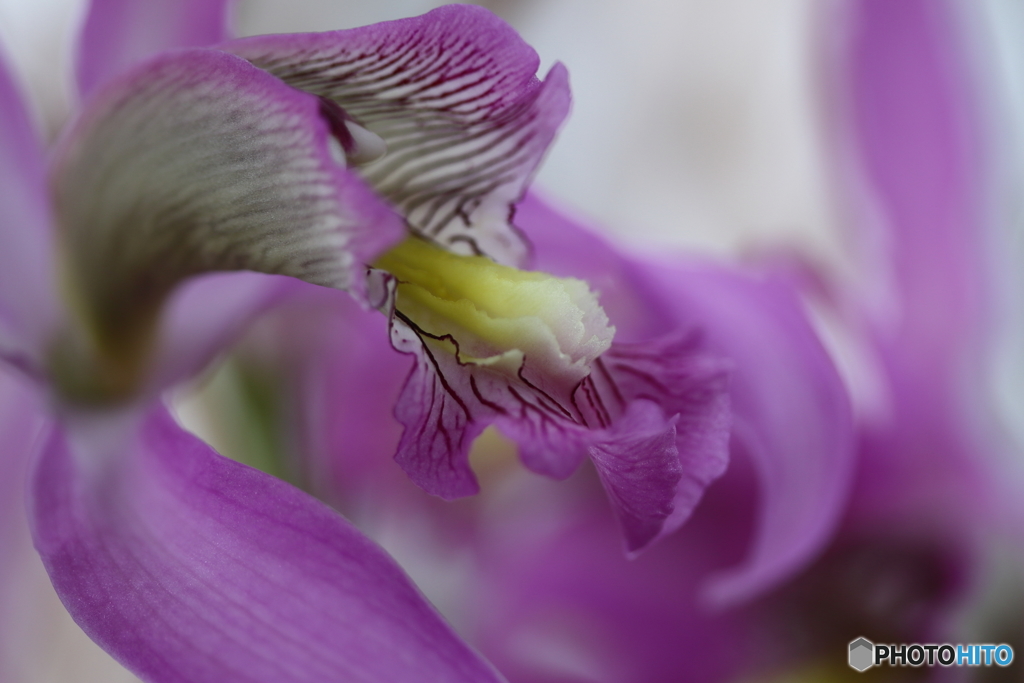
[36, 35]
[998, 37]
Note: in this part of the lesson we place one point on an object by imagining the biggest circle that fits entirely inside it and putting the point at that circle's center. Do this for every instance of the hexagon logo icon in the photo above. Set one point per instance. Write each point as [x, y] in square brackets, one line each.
[862, 654]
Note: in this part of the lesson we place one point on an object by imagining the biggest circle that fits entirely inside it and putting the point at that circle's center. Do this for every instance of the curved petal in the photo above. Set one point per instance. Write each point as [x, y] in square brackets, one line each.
[791, 410]
[917, 129]
[454, 96]
[639, 468]
[119, 34]
[28, 303]
[690, 387]
[187, 566]
[198, 162]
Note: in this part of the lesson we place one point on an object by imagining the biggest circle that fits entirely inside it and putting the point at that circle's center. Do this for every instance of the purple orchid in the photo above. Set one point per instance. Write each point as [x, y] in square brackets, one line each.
[306, 156]
[535, 547]
[527, 352]
[823, 528]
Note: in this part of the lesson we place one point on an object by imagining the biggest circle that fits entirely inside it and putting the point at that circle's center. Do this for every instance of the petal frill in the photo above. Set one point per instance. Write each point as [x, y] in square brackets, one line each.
[187, 566]
[639, 468]
[454, 97]
[118, 34]
[28, 302]
[195, 162]
[443, 408]
[790, 409]
[690, 387]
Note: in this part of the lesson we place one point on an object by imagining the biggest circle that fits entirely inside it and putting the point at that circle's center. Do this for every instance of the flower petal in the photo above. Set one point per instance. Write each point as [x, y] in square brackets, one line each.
[454, 97]
[790, 409]
[198, 162]
[917, 127]
[28, 303]
[119, 34]
[792, 413]
[690, 387]
[187, 566]
[639, 468]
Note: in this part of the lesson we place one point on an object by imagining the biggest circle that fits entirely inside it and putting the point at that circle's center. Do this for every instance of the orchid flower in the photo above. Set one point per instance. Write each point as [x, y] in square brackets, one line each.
[402, 145]
[527, 352]
[823, 529]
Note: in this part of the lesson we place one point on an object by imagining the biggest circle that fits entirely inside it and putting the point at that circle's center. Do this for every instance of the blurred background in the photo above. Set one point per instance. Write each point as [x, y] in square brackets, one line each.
[707, 127]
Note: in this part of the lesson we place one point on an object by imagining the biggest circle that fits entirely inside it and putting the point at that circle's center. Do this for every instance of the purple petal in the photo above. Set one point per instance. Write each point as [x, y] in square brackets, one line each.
[28, 303]
[639, 468]
[454, 96]
[119, 34]
[439, 424]
[916, 126]
[791, 411]
[187, 566]
[691, 388]
[196, 162]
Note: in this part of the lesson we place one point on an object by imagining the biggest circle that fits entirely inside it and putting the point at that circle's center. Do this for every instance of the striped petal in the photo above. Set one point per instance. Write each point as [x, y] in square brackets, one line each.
[199, 162]
[188, 567]
[454, 98]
